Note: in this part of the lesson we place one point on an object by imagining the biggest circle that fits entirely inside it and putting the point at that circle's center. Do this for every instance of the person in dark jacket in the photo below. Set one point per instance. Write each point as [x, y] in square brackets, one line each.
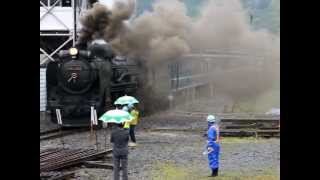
[119, 139]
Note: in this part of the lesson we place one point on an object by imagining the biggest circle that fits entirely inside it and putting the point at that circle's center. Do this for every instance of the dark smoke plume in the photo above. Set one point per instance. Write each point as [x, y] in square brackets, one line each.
[166, 33]
[102, 22]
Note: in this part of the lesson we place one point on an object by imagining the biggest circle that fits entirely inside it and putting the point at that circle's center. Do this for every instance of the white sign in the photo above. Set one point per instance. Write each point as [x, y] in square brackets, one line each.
[95, 117]
[58, 113]
[94, 120]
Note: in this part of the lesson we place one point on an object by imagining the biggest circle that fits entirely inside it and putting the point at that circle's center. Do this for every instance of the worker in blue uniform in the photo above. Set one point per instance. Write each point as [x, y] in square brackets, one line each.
[213, 144]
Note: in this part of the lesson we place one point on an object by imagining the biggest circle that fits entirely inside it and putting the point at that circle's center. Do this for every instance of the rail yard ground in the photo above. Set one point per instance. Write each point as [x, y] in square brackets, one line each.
[178, 154]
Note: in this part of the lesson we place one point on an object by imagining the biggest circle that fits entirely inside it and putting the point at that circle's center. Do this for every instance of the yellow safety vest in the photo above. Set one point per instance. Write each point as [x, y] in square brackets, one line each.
[134, 121]
[126, 125]
[135, 115]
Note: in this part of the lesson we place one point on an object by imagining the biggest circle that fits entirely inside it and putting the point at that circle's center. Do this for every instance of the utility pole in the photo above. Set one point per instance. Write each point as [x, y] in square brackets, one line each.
[74, 5]
[251, 18]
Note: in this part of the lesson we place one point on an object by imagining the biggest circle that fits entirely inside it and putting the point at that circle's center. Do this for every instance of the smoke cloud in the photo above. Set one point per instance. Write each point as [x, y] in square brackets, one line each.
[105, 23]
[166, 32]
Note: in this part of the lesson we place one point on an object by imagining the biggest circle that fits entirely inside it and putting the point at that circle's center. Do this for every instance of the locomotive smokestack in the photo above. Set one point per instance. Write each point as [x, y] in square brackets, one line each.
[101, 48]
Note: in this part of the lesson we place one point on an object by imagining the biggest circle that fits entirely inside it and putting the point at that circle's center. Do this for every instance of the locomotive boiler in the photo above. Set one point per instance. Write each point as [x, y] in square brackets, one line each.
[89, 77]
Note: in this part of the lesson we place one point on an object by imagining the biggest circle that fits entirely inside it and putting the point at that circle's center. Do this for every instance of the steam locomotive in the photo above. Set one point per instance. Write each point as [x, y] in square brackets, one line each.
[89, 77]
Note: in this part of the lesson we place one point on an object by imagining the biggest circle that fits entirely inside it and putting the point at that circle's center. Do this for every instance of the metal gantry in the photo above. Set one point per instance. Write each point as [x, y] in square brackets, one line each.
[58, 22]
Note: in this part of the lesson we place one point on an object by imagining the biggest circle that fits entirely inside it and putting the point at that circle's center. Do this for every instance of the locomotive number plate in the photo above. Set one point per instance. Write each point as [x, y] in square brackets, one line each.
[74, 68]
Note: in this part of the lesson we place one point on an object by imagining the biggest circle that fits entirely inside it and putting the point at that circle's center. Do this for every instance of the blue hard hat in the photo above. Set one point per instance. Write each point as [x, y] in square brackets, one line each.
[211, 118]
[125, 108]
[130, 106]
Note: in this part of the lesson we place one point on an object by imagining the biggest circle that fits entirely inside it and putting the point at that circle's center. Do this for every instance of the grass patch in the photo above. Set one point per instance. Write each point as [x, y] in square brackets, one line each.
[234, 140]
[256, 177]
[163, 171]
[170, 171]
[270, 174]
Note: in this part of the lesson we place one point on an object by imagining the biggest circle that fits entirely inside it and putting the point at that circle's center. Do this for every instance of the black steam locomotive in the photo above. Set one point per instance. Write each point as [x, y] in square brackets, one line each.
[90, 77]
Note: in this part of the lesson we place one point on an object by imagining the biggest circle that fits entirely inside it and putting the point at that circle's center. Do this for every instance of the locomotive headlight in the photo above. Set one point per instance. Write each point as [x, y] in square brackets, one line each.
[73, 51]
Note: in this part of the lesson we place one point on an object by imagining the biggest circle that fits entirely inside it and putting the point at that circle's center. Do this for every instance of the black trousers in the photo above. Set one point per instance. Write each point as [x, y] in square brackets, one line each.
[120, 161]
[215, 172]
[131, 132]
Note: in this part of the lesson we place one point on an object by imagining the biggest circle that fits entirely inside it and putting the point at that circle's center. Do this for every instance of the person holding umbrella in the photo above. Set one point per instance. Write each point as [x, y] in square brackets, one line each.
[119, 139]
[128, 105]
[213, 145]
[125, 100]
[125, 108]
[127, 124]
[132, 124]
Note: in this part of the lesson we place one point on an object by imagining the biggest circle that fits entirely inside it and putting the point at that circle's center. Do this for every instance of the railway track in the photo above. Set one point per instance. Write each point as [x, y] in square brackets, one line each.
[227, 132]
[56, 175]
[57, 159]
[231, 124]
[57, 133]
[228, 116]
[52, 161]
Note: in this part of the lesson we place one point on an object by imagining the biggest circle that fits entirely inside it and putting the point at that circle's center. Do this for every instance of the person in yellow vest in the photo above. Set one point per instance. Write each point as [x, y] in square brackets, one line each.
[132, 124]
